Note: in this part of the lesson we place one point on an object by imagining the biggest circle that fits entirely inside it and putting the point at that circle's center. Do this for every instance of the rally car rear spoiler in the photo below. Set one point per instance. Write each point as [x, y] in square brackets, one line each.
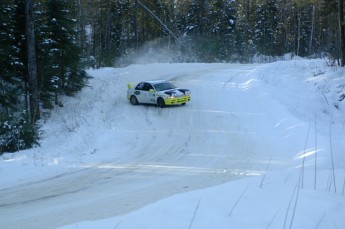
[131, 85]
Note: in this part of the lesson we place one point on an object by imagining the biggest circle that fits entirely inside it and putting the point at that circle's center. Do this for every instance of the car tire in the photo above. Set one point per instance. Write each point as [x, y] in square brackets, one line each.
[160, 103]
[133, 100]
[183, 104]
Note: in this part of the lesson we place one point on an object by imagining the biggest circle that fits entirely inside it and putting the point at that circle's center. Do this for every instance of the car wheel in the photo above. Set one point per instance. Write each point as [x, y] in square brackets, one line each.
[134, 100]
[160, 102]
[183, 104]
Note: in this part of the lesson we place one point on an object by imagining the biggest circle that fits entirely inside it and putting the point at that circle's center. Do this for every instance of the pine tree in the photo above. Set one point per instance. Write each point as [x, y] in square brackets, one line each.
[229, 19]
[244, 31]
[11, 64]
[329, 34]
[193, 27]
[16, 129]
[266, 27]
[59, 54]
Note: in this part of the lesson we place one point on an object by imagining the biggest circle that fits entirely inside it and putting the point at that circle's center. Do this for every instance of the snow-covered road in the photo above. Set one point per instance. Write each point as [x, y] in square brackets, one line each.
[122, 157]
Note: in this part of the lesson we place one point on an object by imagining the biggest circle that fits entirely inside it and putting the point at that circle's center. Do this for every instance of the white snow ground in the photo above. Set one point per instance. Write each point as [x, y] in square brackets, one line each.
[259, 146]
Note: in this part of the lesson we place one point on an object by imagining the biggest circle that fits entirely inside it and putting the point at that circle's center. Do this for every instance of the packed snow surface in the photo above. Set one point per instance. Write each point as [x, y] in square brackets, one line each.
[258, 146]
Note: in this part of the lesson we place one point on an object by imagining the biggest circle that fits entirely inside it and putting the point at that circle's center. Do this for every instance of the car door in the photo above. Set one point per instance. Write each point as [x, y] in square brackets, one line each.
[151, 94]
[143, 92]
[140, 92]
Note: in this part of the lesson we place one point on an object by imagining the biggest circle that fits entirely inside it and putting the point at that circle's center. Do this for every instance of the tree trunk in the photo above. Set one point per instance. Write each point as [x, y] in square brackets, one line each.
[312, 31]
[341, 30]
[298, 32]
[108, 34]
[136, 8]
[32, 63]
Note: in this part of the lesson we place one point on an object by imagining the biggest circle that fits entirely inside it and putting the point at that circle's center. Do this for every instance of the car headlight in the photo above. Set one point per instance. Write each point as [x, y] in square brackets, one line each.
[172, 96]
[187, 92]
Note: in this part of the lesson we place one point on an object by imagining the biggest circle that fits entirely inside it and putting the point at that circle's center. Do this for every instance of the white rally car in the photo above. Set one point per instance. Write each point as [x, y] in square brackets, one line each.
[158, 92]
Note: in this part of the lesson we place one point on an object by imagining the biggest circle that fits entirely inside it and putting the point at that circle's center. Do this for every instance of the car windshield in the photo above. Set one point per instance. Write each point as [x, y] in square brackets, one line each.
[164, 86]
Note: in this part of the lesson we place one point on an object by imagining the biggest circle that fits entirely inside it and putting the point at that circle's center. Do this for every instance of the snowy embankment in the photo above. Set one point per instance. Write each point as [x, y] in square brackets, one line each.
[259, 146]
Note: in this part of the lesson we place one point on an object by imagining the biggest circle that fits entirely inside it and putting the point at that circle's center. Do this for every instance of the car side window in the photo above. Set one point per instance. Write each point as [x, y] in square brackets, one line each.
[140, 86]
[147, 87]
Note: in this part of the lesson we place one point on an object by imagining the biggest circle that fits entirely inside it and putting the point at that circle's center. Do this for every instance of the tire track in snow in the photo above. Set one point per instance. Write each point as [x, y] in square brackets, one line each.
[169, 151]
